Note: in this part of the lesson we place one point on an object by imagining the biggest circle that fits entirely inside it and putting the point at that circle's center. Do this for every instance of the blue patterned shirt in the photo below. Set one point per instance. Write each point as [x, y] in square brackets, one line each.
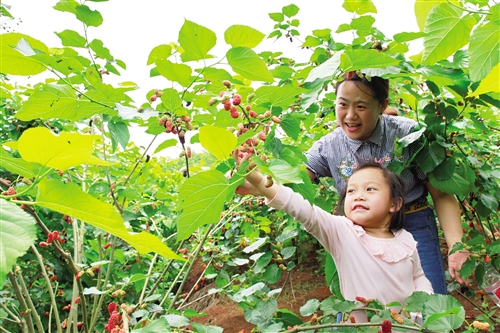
[336, 155]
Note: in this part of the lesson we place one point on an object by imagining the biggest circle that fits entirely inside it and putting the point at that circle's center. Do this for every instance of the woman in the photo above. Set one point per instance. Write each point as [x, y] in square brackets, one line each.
[364, 133]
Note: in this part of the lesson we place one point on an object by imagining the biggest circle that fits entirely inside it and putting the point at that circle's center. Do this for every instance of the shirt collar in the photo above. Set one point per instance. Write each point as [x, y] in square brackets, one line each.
[375, 138]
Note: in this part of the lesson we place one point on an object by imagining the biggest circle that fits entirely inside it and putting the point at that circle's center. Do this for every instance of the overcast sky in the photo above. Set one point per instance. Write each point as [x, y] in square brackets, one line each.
[131, 28]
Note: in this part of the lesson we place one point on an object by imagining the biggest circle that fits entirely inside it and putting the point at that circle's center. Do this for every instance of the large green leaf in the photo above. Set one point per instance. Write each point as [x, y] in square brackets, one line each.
[201, 200]
[196, 41]
[100, 50]
[242, 35]
[91, 18]
[17, 233]
[16, 63]
[360, 59]
[281, 97]
[175, 72]
[61, 151]
[19, 166]
[248, 64]
[69, 199]
[483, 50]
[71, 38]
[422, 9]
[283, 172]
[60, 101]
[443, 321]
[218, 141]
[447, 31]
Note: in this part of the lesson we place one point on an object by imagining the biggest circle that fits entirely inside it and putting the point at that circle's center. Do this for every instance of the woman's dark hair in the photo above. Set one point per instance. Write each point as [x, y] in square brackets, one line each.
[378, 87]
[396, 186]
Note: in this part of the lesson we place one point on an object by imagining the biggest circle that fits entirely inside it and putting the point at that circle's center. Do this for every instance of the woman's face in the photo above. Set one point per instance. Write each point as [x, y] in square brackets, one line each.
[357, 112]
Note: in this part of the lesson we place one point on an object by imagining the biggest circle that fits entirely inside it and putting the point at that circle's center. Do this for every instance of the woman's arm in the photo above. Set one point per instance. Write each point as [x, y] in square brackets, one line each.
[448, 213]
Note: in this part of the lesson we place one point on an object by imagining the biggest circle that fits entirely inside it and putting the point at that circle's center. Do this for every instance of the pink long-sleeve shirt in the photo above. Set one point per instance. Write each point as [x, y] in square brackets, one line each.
[385, 269]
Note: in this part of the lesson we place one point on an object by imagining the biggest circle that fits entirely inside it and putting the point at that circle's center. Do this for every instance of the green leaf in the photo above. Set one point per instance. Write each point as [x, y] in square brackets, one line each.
[447, 31]
[322, 33]
[66, 149]
[278, 17]
[359, 7]
[456, 184]
[404, 37]
[201, 200]
[205, 329]
[288, 251]
[175, 72]
[272, 273]
[443, 313]
[242, 35]
[60, 101]
[71, 38]
[326, 69]
[91, 18]
[69, 199]
[119, 134]
[102, 52]
[160, 52]
[218, 141]
[362, 23]
[445, 169]
[291, 126]
[288, 318]
[171, 100]
[156, 326]
[491, 83]
[430, 157]
[216, 75]
[281, 97]
[248, 64]
[284, 172]
[17, 234]
[483, 50]
[361, 59]
[290, 10]
[196, 41]
[66, 6]
[19, 166]
[166, 144]
[309, 308]
[16, 63]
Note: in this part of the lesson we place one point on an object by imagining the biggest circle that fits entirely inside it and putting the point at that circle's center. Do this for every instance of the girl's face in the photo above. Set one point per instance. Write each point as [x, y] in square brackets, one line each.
[357, 112]
[368, 201]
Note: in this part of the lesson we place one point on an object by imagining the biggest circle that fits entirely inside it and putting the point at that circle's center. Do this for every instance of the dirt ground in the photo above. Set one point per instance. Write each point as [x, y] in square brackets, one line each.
[301, 286]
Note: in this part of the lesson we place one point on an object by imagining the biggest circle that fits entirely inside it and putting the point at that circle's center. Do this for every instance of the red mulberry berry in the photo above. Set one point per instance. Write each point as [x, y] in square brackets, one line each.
[77, 300]
[236, 99]
[252, 114]
[112, 307]
[262, 136]
[386, 326]
[235, 114]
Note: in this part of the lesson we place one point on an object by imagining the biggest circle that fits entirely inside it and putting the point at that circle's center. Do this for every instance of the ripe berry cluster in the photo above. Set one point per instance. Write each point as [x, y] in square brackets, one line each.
[52, 236]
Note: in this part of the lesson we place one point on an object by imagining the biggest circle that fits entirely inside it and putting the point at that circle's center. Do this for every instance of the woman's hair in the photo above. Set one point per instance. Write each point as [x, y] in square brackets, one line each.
[378, 87]
[396, 186]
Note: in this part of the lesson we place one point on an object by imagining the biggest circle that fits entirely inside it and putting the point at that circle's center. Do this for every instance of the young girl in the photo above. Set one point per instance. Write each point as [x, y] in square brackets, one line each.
[375, 257]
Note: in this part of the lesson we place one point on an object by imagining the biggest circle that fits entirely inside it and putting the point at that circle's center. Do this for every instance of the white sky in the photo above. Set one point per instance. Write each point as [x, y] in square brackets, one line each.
[131, 28]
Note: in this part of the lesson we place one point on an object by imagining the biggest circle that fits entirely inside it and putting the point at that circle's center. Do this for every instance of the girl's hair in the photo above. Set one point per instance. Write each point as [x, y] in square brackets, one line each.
[396, 186]
[378, 87]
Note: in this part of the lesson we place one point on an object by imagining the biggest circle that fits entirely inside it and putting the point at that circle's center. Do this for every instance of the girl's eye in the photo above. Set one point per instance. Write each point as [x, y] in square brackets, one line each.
[370, 189]
[350, 191]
